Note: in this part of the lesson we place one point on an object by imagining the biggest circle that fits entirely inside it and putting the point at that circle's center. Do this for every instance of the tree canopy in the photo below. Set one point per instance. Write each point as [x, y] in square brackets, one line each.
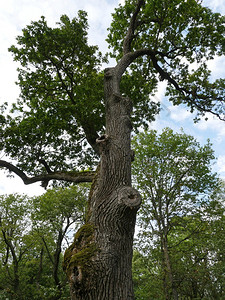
[177, 225]
[60, 113]
[173, 41]
[34, 233]
[71, 116]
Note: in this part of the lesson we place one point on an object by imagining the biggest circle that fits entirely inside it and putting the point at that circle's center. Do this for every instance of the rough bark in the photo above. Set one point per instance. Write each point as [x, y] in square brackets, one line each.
[98, 264]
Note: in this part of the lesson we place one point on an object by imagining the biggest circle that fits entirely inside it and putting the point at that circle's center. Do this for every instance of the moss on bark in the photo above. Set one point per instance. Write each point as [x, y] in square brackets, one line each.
[78, 255]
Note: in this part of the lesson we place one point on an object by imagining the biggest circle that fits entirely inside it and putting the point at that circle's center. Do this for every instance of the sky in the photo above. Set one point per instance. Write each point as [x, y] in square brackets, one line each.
[16, 14]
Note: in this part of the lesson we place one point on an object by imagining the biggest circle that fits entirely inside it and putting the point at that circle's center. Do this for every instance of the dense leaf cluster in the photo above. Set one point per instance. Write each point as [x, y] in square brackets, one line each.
[61, 98]
[60, 112]
[178, 37]
[33, 235]
[179, 232]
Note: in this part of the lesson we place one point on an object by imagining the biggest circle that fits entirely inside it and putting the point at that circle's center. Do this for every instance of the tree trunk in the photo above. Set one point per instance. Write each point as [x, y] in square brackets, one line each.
[98, 263]
[169, 282]
[56, 259]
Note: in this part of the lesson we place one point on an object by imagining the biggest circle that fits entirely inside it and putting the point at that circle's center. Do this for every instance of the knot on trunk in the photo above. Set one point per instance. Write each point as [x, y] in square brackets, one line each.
[117, 97]
[109, 73]
[130, 197]
[127, 102]
[102, 141]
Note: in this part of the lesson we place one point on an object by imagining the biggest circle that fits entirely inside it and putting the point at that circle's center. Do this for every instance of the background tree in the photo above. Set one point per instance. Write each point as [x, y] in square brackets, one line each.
[174, 174]
[58, 213]
[197, 261]
[61, 117]
[34, 232]
[147, 275]
[15, 240]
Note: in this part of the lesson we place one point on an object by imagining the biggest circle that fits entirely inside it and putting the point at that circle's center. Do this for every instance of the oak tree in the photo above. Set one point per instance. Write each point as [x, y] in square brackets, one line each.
[72, 116]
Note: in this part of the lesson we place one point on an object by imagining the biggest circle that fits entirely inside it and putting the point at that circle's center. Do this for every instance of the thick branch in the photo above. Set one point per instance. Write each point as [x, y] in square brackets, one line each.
[191, 96]
[133, 24]
[128, 58]
[76, 177]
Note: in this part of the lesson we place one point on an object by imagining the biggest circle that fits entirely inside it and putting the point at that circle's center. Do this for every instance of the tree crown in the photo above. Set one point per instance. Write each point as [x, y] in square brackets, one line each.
[54, 125]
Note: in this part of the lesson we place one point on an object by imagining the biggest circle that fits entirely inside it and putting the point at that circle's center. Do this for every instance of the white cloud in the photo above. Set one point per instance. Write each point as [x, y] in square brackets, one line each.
[178, 113]
[217, 67]
[160, 94]
[215, 5]
[221, 164]
[212, 124]
[15, 185]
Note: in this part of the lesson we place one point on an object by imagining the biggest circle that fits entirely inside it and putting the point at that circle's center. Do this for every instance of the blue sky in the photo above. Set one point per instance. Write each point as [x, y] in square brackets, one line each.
[16, 14]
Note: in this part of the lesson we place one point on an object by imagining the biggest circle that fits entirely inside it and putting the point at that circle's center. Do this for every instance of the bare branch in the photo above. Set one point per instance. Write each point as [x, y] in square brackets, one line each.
[76, 177]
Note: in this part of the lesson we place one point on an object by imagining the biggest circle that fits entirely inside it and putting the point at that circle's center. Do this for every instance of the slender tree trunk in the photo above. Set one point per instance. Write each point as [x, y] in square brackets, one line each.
[98, 263]
[56, 259]
[169, 284]
[15, 261]
[40, 269]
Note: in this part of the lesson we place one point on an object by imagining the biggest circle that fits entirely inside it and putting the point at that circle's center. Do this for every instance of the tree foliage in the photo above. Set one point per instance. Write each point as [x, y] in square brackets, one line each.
[174, 47]
[71, 116]
[34, 233]
[174, 170]
[61, 97]
[177, 220]
[60, 113]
